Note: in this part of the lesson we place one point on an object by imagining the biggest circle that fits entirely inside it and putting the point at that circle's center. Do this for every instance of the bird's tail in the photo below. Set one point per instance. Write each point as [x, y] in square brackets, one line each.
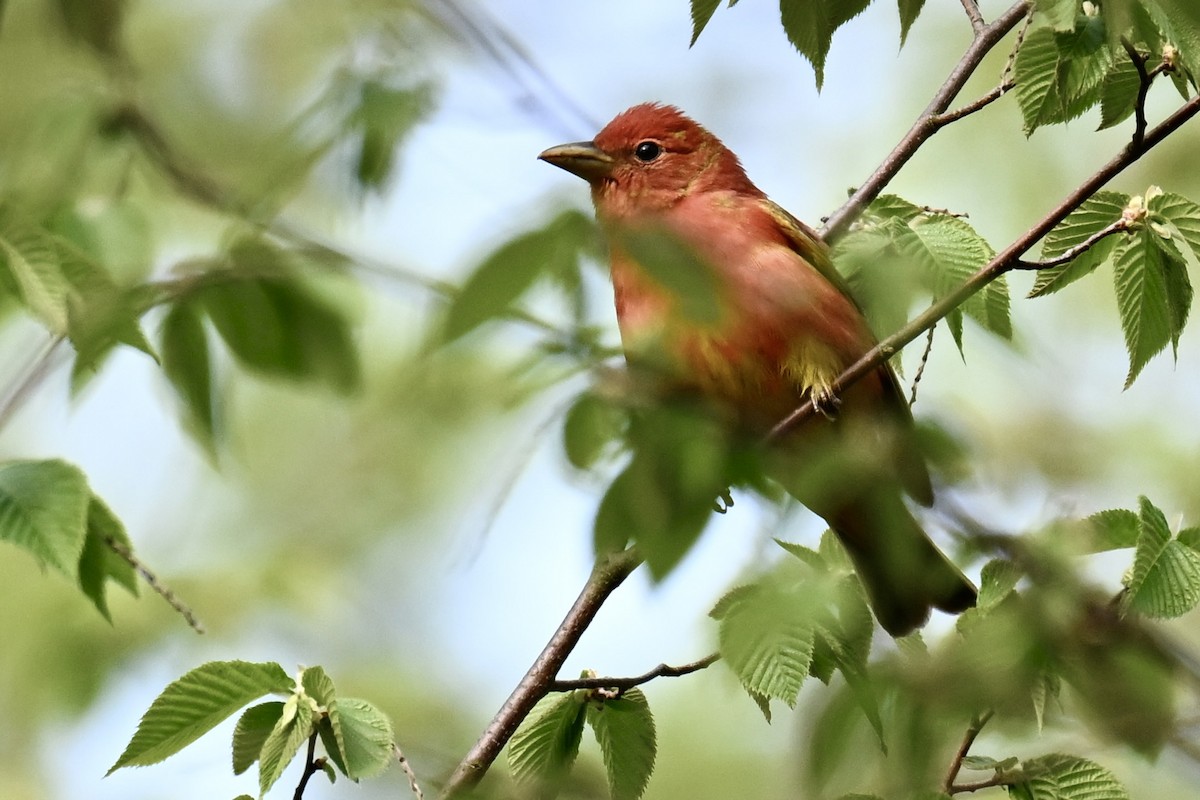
[904, 573]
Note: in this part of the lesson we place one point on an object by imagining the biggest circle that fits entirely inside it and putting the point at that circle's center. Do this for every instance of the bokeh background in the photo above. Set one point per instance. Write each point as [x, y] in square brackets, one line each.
[422, 538]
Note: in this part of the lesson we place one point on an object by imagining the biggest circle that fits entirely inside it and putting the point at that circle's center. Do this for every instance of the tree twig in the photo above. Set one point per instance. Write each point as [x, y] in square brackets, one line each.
[622, 684]
[912, 397]
[973, 731]
[311, 767]
[160, 588]
[1070, 254]
[999, 265]
[985, 39]
[607, 575]
[39, 367]
[945, 118]
[995, 780]
[1144, 81]
[413, 786]
[972, 9]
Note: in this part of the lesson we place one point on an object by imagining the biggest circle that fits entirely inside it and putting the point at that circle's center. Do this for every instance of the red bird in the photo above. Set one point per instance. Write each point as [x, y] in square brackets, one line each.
[785, 327]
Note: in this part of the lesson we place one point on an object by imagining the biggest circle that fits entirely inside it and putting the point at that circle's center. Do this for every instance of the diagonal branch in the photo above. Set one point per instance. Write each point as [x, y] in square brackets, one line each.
[1067, 256]
[1002, 263]
[621, 684]
[927, 124]
[972, 9]
[607, 575]
[973, 731]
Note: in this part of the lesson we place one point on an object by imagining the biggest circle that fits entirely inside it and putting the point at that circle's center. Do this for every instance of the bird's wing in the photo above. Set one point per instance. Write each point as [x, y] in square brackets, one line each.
[805, 241]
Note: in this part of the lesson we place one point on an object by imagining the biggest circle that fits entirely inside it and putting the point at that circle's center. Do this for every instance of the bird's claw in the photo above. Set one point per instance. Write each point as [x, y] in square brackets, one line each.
[723, 503]
[826, 402]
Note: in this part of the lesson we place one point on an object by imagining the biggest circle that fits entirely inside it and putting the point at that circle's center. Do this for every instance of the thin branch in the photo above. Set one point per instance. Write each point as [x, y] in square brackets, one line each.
[1069, 255]
[40, 366]
[925, 126]
[1144, 81]
[999, 265]
[311, 767]
[622, 684]
[944, 119]
[973, 731]
[912, 398]
[606, 576]
[995, 780]
[161, 589]
[413, 786]
[972, 9]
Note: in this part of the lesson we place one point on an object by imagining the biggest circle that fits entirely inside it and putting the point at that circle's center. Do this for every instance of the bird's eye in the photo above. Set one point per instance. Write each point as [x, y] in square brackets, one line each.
[647, 151]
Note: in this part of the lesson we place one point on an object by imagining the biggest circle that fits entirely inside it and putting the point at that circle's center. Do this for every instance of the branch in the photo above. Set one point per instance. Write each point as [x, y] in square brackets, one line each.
[926, 125]
[623, 684]
[311, 767]
[944, 119]
[161, 589]
[972, 9]
[606, 576]
[995, 780]
[1144, 81]
[973, 731]
[1069, 255]
[1002, 263]
[413, 786]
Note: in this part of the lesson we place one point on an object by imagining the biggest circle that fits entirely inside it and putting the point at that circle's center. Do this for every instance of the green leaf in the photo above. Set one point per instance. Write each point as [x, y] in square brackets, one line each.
[809, 25]
[1063, 777]
[251, 732]
[193, 704]
[997, 581]
[368, 737]
[318, 685]
[592, 426]
[96, 22]
[292, 729]
[624, 727]
[909, 11]
[674, 265]
[1096, 213]
[1165, 580]
[1035, 71]
[44, 509]
[1118, 93]
[1114, 529]
[1179, 20]
[98, 563]
[1147, 317]
[1084, 60]
[766, 637]
[188, 366]
[1190, 537]
[1060, 14]
[543, 749]
[1180, 214]
[384, 117]
[702, 11]
[41, 286]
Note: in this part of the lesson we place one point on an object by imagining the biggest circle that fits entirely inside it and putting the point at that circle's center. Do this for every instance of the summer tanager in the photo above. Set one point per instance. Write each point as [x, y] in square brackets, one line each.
[786, 326]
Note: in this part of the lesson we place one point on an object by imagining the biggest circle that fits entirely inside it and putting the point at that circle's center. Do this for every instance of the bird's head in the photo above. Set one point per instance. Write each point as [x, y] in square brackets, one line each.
[648, 158]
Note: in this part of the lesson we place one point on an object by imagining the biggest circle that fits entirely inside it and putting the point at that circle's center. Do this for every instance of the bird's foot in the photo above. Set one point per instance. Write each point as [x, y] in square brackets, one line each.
[723, 503]
[826, 402]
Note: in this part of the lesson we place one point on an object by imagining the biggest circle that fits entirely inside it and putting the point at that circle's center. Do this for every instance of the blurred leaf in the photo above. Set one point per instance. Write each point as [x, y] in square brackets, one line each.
[1096, 213]
[624, 727]
[97, 22]
[291, 730]
[1063, 777]
[702, 11]
[1165, 580]
[44, 509]
[543, 749]
[368, 737]
[35, 272]
[809, 25]
[1114, 529]
[98, 563]
[909, 11]
[670, 262]
[384, 117]
[193, 704]
[188, 366]
[593, 424]
[1060, 14]
[1147, 316]
[251, 732]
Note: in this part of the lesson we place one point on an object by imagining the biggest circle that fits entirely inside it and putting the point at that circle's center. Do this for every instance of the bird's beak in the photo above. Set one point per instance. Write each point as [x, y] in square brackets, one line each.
[580, 158]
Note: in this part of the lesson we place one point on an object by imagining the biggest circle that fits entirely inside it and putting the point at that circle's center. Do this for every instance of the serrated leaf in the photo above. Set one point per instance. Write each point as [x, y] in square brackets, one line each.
[1189, 537]
[1179, 20]
[1114, 529]
[369, 742]
[1047, 687]
[766, 637]
[810, 24]
[997, 581]
[1165, 580]
[44, 508]
[909, 11]
[193, 704]
[1063, 777]
[1118, 93]
[1097, 212]
[98, 563]
[543, 749]
[1035, 71]
[318, 685]
[1181, 214]
[32, 265]
[188, 366]
[292, 729]
[1060, 14]
[624, 727]
[1140, 278]
[1084, 60]
[251, 732]
[702, 11]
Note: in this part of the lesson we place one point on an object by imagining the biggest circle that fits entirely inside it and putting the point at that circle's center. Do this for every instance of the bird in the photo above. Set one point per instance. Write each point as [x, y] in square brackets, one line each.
[784, 326]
